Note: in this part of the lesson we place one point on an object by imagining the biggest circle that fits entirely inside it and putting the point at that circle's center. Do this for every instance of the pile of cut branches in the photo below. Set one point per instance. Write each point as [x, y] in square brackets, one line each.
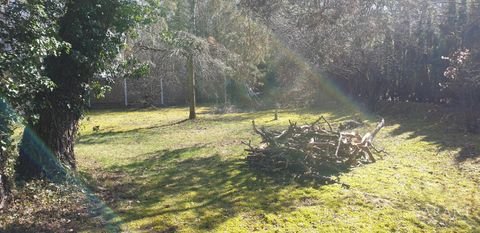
[314, 150]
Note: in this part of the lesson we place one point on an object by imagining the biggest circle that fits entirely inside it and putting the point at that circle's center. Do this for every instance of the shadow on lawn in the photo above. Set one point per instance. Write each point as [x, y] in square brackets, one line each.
[283, 114]
[431, 124]
[206, 191]
[203, 192]
[103, 136]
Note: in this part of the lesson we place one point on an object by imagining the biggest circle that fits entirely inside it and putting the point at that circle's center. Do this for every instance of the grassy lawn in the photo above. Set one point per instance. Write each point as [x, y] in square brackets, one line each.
[158, 175]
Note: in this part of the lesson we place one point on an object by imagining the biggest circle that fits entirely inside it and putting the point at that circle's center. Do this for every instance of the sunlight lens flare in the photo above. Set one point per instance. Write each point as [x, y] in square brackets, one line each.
[39, 154]
[321, 80]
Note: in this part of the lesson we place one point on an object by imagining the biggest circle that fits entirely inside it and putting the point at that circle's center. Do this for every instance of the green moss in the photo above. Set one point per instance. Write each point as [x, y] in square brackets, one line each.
[159, 174]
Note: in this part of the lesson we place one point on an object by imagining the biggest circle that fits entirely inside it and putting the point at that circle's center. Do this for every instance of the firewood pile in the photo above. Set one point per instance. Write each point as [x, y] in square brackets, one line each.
[312, 150]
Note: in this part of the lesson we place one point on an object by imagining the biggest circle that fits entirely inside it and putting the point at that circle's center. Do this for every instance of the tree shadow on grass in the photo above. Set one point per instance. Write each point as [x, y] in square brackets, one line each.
[104, 136]
[202, 192]
[173, 189]
[429, 122]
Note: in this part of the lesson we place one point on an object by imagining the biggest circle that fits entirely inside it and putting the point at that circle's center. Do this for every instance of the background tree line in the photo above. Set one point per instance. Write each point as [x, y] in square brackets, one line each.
[375, 51]
[211, 42]
[396, 51]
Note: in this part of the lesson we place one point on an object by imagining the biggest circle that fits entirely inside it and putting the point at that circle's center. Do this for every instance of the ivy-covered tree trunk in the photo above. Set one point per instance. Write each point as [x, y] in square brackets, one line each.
[4, 187]
[89, 34]
[5, 179]
[4, 190]
[47, 145]
[6, 149]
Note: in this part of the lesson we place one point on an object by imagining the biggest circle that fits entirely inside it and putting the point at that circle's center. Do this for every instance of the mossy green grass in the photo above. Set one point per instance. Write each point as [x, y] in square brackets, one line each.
[160, 173]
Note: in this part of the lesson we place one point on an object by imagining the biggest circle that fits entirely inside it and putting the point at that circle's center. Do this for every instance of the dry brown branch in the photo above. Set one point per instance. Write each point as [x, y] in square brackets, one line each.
[308, 150]
[328, 123]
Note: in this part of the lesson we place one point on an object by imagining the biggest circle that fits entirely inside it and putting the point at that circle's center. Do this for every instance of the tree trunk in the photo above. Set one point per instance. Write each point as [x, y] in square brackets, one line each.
[5, 152]
[191, 87]
[225, 94]
[4, 180]
[46, 149]
[468, 97]
[190, 66]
